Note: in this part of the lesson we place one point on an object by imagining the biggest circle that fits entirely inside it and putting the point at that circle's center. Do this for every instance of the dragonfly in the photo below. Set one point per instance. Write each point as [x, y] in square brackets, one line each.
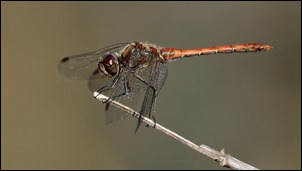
[134, 73]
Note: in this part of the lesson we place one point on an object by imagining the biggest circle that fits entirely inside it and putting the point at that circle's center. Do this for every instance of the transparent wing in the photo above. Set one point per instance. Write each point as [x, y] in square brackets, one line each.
[83, 66]
[133, 91]
[97, 80]
[124, 93]
[157, 78]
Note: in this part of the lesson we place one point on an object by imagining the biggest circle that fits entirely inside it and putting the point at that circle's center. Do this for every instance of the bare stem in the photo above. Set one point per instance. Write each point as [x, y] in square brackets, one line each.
[225, 160]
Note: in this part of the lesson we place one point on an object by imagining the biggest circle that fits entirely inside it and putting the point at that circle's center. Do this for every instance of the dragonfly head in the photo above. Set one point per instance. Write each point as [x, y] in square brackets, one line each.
[109, 65]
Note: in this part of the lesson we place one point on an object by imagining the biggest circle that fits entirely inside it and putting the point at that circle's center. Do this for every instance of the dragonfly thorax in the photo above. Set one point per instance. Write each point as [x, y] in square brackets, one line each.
[137, 54]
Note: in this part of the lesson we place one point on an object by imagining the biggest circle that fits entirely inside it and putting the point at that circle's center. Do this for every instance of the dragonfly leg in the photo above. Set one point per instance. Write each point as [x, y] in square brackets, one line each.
[154, 121]
[123, 88]
[147, 105]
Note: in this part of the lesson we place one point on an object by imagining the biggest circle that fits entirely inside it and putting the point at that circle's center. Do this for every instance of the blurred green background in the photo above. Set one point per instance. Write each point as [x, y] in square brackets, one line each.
[248, 104]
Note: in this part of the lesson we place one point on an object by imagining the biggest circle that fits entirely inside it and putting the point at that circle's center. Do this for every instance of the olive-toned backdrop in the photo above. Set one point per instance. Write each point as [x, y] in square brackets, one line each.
[248, 104]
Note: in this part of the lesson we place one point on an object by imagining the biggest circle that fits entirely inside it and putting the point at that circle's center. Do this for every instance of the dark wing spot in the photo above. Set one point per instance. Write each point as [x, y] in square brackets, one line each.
[65, 59]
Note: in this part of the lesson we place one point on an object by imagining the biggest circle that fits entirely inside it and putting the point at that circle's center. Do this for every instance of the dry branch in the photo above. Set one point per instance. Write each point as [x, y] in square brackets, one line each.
[225, 160]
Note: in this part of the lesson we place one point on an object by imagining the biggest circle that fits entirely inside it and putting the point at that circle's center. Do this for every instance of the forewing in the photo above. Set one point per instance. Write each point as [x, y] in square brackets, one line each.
[83, 66]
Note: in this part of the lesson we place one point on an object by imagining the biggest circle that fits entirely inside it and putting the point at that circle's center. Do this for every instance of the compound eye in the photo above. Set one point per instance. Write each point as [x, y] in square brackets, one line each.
[109, 66]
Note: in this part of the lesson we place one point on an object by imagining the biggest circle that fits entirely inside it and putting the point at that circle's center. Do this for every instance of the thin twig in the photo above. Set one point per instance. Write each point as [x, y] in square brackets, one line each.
[225, 160]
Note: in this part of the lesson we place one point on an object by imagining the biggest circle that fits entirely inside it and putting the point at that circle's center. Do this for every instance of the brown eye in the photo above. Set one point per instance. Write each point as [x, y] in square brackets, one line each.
[109, 66]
